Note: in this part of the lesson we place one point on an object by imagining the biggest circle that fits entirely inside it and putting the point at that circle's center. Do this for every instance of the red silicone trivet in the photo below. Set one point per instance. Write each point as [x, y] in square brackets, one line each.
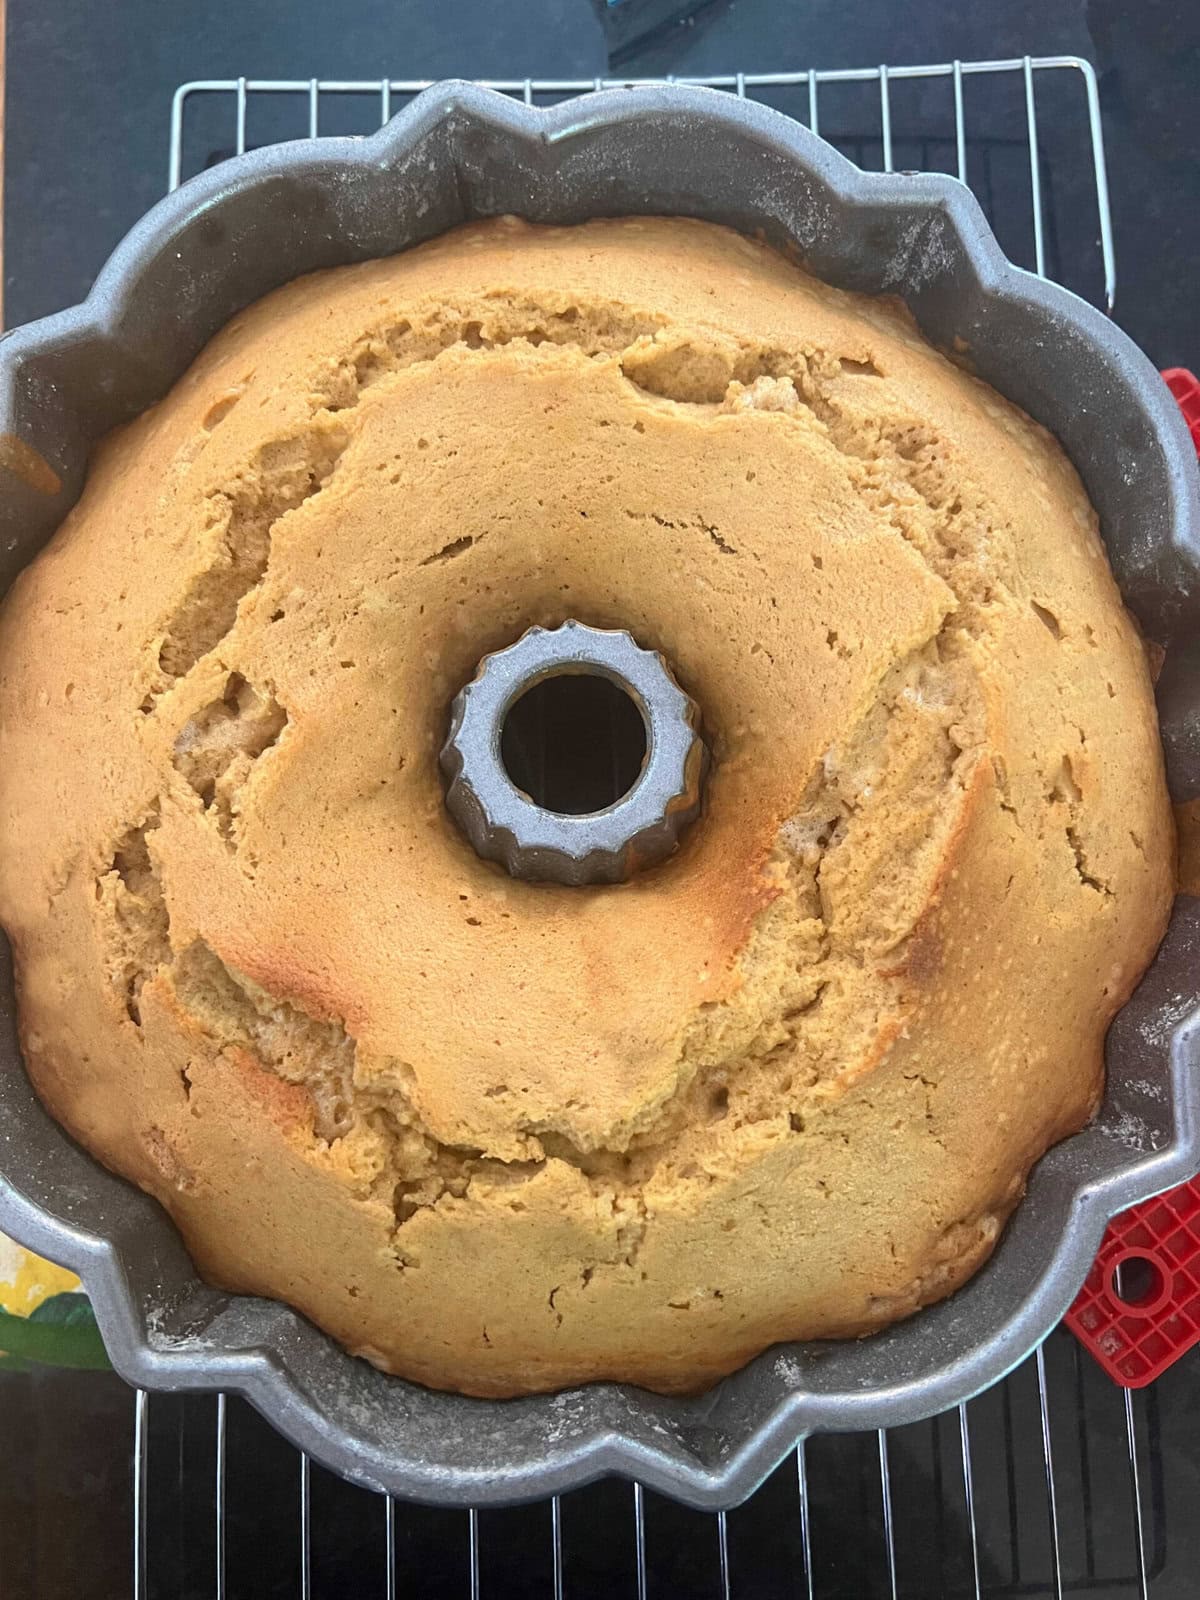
[1185, 386]
[1140, 1307]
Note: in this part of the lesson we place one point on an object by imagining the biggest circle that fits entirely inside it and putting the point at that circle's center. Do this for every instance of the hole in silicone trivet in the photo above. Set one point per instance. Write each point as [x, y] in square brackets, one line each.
[575, 743]
[1137, 1280]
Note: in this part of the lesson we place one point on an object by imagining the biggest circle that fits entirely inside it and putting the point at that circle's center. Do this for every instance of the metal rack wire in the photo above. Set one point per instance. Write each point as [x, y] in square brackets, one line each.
[1035, 1527]
[387, 95]
[977, 1435]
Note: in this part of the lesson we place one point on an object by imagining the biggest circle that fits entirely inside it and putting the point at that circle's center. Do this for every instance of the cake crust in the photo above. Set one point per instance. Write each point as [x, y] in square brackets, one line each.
[503, 1137]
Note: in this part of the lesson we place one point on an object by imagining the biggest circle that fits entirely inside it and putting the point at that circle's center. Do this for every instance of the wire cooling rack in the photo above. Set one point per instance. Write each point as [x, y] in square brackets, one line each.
[967, 118]
[1050, 1484]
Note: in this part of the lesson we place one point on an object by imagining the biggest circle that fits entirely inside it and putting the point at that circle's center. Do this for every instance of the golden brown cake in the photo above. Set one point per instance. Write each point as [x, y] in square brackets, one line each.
[501, 1137]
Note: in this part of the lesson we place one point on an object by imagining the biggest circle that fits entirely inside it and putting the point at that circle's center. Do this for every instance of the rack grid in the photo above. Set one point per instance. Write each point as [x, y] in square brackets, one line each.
[1049, 1485]
[390, 94]
[1056, 1488]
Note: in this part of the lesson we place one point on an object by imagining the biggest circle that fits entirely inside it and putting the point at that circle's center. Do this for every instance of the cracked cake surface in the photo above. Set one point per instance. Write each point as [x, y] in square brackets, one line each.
[501, 1137]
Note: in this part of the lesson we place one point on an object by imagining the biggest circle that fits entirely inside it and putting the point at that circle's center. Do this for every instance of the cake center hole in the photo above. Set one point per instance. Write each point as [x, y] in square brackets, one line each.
[574, 743]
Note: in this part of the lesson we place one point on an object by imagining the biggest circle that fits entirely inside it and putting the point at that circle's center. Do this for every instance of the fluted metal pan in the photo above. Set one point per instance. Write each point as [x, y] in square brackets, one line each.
[458, 152]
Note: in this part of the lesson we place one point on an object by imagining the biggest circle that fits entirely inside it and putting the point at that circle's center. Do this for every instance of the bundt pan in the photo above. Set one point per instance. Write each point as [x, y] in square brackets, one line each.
[457, 153]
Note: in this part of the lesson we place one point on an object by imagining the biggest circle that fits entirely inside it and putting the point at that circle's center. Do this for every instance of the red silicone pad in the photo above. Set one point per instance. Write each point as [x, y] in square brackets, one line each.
[1185, 386]
[1137, 1325]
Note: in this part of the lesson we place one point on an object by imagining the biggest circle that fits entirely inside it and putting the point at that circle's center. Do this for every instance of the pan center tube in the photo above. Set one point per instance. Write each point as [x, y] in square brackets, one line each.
[574, 757]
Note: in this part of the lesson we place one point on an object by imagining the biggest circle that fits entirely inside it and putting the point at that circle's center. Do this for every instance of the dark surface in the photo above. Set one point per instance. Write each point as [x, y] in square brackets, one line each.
[87, 123]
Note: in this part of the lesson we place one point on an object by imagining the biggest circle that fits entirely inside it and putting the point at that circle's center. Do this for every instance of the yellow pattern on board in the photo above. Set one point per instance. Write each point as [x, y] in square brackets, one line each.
[26, 1280]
